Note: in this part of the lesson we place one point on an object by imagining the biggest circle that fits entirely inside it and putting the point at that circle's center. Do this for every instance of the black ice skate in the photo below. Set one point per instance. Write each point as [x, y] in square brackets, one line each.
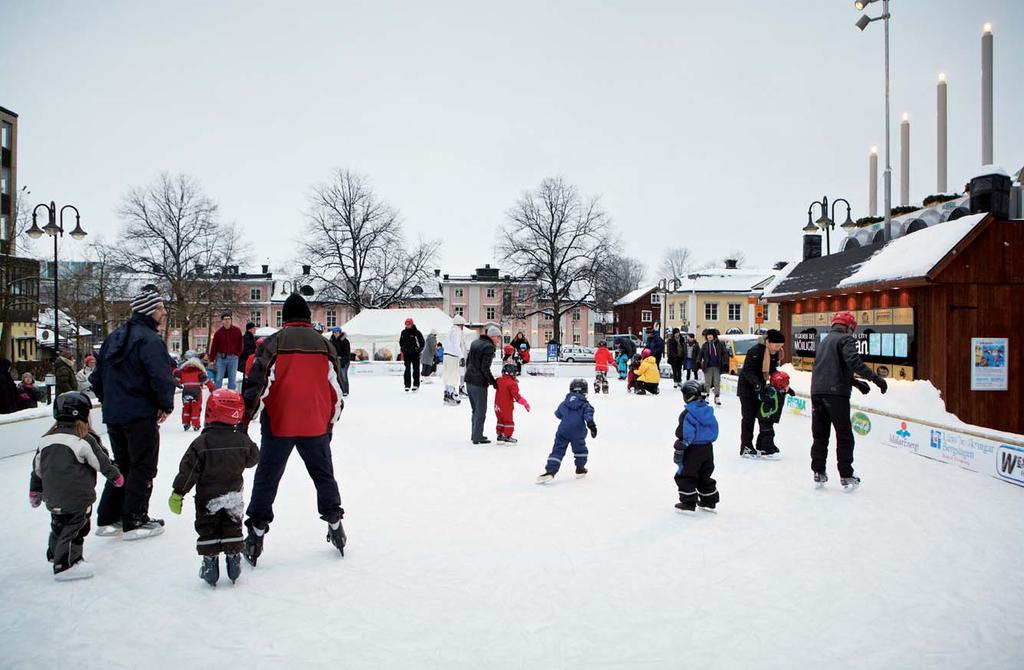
[581, 472]
[546, 478]
[336, 535]
[254, 543]
[686, 507]
[707, 506]
[234, 565]
[772, 453]
[849, 483]
[210, 570]
[748, 452]
[509, 440]
[143, 527]
[820, 479]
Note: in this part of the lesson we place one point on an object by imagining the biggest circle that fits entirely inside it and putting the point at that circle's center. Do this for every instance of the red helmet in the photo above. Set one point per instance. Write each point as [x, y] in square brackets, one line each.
[845, 319]
[408, 322]
[780, 380]
[509, 350]
[225, 406]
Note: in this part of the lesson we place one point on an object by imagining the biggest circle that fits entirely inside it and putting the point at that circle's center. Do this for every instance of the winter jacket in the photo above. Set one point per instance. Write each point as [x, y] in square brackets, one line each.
[648, 371]
[191, 376]
[430, 349]
[520, 340]
[835, 362]
[706, 354]
[343, 348]
[410, 342]
[676, 347]
[478, 362]
[622, 362]
[773, 401]
[627, 345]
[576, 413]
[656, 344]
[455, 345]
[697, 424]
[83, 378]
[248, 347]
[8, 391]
[295, 380]
[29, 395]
[602, 359]
[524, 355]
[64, 372]
[226, 341]
[214, 463]
[133, 376]
[507, 394]
[751, 377]
[690, 350]
[65, 466]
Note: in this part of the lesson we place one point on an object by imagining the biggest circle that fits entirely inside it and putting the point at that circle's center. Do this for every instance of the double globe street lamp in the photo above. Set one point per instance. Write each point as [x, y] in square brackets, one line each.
[826, 222]
[54, 230]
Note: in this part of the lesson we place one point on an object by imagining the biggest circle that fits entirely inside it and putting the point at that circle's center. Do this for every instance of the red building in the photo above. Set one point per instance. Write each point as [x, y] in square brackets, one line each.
[638, 312]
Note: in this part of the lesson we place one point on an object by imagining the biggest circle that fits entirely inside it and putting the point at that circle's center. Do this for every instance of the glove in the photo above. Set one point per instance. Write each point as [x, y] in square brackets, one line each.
[677, 458]
[525, 404]
[174, 502]
[882, 385]
[790, 392]
[758, 388]
[495, 384]
[35, 498]
[593, 428]
[462, 362]
[119, 482]
[861, 386]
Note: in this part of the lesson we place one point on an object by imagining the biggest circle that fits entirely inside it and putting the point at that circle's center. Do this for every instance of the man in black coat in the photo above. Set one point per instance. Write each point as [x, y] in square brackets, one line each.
[761, 361]
[657, 346]
[248, 347]
[835, 362]
[133, 380]
[691, 348]
[410, 342]
[676, 354]
[479, 378]
[343, 347]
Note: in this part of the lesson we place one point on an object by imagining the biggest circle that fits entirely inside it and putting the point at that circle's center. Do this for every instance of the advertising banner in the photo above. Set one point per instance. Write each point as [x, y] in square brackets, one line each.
[885, 339]
[989, 366]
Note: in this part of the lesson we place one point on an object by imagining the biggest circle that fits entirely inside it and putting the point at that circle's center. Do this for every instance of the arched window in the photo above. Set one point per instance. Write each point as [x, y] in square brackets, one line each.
[879, 237]
[850, 243]
[916, 225]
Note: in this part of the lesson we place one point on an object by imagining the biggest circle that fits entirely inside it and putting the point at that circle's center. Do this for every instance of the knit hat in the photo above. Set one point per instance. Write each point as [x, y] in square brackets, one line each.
[775, 336]
[492, 331]
[459, 320]
[295, 309]
[147, 301]
[250, 325]
[336, 329]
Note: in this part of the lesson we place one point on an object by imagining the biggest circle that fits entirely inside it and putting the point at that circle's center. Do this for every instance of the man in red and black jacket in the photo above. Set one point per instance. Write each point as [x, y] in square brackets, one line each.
[295, 380]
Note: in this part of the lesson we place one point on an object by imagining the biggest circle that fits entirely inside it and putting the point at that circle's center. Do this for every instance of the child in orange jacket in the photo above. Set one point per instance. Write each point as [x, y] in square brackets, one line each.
[602, 359]
[504, 403]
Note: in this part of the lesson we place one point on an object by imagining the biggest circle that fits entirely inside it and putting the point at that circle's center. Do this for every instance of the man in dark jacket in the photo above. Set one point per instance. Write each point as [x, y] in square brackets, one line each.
[712, 359]
[657, 345]
[8, 390]
[295, 381]
[410, 342]
[64, 373]
[479, 378]
[761, 361]
[835, 362]
[343, 348]
[676, 353]
[248, 346]
[691, 349]
[133, 380]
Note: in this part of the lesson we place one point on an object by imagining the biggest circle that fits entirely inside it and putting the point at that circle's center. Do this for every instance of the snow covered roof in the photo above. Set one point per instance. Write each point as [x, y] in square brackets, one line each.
[633, 296]
[740, 280]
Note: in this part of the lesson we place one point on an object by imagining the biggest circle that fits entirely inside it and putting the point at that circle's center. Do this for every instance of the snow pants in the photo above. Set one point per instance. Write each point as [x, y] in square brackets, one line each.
[227, 366]
[220, 530]
[315, 452]
[67, 537]
[412, 370]
[452, 371]
[647, 387]
[136, 449]
[506, 423]
[749, 408]
[693, 475]
[192, 407]
[828, 411]
[478, 403]
[713, 380]
[690, 369]
[562, 441]
[600, 381]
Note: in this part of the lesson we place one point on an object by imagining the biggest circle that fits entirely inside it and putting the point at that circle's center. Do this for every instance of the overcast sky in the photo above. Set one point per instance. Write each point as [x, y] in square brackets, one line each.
[711, 125]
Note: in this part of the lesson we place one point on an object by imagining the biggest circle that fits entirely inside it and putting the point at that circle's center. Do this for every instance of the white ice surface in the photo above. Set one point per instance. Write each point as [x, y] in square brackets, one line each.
[456, 559]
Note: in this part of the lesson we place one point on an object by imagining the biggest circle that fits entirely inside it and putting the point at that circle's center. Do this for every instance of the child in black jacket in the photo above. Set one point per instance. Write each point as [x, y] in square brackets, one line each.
[214, 463]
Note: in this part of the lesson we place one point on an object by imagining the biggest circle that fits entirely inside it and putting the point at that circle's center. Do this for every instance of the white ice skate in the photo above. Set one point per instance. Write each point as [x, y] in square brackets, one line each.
[112, 530]
[820, 479]
[150, 528]
[545, 478]
[80, 570]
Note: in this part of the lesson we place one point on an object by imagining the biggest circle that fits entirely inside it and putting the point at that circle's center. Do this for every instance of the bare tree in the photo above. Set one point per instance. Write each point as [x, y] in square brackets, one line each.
[354, 244]
[111, 285]
[561, 238]
[171, 232]
[676, 262]
[616, 277]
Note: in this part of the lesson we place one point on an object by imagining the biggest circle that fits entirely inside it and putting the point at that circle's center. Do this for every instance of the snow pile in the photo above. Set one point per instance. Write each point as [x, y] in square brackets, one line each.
[913, 255]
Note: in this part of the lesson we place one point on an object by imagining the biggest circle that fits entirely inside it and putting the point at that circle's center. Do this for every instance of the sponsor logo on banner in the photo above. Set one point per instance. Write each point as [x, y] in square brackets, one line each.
[1010, 463]
[936, 439]
[861, 423]
[796, 406]
[903, 438]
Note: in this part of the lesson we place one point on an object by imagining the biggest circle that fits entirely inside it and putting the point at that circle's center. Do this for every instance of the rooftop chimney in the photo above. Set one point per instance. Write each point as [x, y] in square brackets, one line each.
[731, 263]
[437, 272]
[266, 268]
[812, 246]
[780, 265]
[305, 270]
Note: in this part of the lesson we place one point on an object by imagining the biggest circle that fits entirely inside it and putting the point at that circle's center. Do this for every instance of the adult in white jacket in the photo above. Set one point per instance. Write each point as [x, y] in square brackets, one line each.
[454, 360]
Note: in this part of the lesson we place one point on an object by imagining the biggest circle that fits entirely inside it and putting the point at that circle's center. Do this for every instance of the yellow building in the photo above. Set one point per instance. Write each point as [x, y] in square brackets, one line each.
[722, 298]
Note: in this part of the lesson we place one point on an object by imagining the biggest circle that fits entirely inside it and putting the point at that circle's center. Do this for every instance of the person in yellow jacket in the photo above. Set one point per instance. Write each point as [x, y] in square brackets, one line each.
[647, 375]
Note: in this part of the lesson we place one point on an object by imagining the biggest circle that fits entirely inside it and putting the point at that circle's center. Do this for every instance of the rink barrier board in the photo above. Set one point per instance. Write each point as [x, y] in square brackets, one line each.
[1000, 458]
[20, 434]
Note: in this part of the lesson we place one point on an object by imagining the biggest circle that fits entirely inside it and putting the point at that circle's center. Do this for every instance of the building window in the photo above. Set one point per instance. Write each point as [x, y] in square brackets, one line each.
[458, 293]
[520, 313]
[646, 316]
[175, 345]
[256, 317]
[711, 311]
[672, 310]
[255, 294]
[490, 313]
[3, 227]
[522, 294]
[548, 335]
[200, 344]
[767, 313]
[332, 318]
[735, 311]
[575, 338]
[278, 319]
[490, 293]
[5, 135]
[655, 298]
[460, 310]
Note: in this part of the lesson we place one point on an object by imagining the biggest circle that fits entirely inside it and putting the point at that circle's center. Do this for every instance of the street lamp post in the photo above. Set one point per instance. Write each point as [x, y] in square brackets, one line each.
[863, 23]
[54, 230]
[825, 222]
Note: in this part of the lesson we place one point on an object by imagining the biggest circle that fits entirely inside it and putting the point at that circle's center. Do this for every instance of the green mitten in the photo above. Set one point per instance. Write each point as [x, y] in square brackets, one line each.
[174, 502]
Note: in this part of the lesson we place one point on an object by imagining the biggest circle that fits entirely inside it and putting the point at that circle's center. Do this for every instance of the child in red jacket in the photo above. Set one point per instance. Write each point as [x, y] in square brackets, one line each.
[504, 399]
[191, 377]
[602, 359]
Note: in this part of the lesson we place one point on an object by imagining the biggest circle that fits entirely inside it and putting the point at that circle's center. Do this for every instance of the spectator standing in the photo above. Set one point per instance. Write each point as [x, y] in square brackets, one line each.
[676, 347]
[691, 348]
[479, 378]
[8, 391]
[657, 345]
[29, 395]
[712, 359]
[225, 349]
[64, 373]
[411, 342]
[248, 345]
[343, 349]
[83, 375]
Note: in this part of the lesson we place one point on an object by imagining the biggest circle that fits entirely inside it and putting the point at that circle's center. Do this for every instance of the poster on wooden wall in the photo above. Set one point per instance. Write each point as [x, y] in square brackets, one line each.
[989, 364]
[884, 338]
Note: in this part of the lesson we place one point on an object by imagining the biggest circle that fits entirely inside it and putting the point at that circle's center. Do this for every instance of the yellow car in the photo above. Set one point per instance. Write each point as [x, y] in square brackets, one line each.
[738, 346]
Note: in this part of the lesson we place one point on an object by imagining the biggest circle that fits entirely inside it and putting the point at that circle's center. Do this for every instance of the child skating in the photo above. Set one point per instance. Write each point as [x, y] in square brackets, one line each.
[505, 398]
[769, 413]
[577, 416]
[602, 359]
[64, 477]
[622, 363]
[694, 451]
[192, 377]
[214, 463]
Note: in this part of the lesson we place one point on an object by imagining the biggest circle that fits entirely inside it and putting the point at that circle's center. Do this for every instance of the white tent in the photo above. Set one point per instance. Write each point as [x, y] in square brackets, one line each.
[376, 329]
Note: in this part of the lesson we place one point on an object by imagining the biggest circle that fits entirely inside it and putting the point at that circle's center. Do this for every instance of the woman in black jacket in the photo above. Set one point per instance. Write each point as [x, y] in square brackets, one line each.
[761, 361]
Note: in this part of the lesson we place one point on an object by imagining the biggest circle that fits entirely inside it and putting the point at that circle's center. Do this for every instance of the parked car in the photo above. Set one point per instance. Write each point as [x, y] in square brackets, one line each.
[573, 354]
[738, 346]
[614, 340]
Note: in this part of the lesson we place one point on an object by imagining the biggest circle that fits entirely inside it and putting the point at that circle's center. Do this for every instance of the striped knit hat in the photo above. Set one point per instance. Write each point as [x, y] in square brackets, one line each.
[147, 301]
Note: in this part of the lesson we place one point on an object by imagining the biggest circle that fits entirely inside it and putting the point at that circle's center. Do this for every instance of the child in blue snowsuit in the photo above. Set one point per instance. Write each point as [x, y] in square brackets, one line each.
[577, 415]
[694, 451]
[622, 363]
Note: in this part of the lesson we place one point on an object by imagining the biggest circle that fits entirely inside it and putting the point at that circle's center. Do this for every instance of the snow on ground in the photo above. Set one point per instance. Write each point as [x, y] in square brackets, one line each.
[458, 560]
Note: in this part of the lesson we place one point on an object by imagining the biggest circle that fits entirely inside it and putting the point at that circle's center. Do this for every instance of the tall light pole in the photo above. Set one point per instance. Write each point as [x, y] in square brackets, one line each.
[53, 230]
[863, 23]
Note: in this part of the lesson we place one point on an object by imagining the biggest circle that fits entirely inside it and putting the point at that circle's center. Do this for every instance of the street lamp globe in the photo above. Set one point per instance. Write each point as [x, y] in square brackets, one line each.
[35, 232]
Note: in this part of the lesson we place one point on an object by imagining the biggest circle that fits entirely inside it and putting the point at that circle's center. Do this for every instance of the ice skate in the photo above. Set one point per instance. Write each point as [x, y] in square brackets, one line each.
[112, 530]
[147, 528]
[820, 479]
[546, 478]
[482, 440]
[718, 402]
[415, 389]
[748, 452]
[234, 566]
[708, 507]
[500, 438]
[849, 483]
[687, 508]
[769, 454]
[80, 570]
[510, 440]
[254, 544]
[186, 427]
[336, 535]
[581, 472]
[209, 571]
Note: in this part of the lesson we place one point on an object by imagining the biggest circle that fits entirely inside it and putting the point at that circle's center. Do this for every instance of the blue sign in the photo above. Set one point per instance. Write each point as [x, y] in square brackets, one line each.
[552, 351]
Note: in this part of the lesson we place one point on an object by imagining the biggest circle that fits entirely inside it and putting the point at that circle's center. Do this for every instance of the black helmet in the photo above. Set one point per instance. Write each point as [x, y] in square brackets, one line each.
[602, 343]
[72, 406]
[508, 369]
[693, 390]
[579, 386]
